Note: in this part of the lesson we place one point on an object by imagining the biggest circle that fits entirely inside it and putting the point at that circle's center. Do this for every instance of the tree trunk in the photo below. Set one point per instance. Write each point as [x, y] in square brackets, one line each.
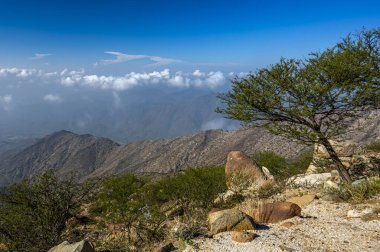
[334, 157]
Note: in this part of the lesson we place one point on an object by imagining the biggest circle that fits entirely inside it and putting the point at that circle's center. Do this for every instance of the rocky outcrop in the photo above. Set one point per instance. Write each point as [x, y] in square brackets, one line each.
[229, 220]
[308, 180]
[275, 212]
[242, 171]
[82, 246]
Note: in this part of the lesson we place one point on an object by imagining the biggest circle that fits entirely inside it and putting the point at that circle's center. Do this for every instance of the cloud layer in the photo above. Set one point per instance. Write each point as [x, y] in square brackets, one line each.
[79, 78]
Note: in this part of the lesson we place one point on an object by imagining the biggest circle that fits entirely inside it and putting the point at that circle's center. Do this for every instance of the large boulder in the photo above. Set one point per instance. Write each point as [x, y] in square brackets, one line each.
[275, 212]
[229, 220]
[82, 246]
[243, 172]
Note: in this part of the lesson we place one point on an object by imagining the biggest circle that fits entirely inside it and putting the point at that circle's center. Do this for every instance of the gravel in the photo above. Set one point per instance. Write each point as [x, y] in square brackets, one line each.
[325, 227]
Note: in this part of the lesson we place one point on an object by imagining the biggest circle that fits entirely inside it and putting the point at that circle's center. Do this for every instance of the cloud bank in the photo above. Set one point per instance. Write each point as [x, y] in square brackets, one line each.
[79, 78]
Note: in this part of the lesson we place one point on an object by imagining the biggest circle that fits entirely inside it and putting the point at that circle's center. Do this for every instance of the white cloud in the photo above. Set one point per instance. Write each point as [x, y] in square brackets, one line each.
[38, 56]
[122, 57]
[118, 83]
[5, 102]
[52, 98]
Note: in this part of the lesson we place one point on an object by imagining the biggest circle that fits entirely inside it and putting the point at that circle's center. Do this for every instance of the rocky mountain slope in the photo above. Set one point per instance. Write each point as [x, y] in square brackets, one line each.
[89, 156]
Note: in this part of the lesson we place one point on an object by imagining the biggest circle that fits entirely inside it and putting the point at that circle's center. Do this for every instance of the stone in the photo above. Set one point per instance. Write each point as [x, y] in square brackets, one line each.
[242, 171]
[359, 182]
[358, 214]
[302, 201]
[275, 212]
[364, 166]
[242, 236]
[267, 173]
[165, 248]
[330, 186]
[229, 220]
[308, 180]
[81, 246]
[287, 224]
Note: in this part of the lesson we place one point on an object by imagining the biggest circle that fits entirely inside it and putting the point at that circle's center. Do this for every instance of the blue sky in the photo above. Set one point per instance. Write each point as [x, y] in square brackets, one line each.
[209, 35]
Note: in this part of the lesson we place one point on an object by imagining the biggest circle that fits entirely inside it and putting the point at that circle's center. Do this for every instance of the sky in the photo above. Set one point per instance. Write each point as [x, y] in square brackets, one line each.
[49, 47]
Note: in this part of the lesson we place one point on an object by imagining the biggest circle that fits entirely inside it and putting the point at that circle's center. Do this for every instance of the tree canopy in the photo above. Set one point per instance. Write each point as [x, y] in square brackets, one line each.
[313, 99]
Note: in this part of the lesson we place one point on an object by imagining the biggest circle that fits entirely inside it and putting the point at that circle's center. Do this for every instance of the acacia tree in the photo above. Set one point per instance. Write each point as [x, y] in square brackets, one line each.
[315, 99]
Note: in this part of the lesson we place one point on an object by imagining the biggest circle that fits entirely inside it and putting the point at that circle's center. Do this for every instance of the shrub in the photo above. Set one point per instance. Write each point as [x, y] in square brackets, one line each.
[359, 192]
[280, 168]
[125, 200]
[373, 146]
[193, 188]
[33, 213]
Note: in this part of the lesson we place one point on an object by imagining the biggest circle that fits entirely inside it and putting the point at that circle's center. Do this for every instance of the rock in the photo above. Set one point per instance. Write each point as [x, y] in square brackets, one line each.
[358, 214]
[364, 166]
[229, 220]
[165, 248]
[275, 212]
[243, 172]
[311, 180]
[359, 182]
[82, 246]
[222, 197]
[330, 186]
[242, 236]
[302, 201]
[287, 224]
[312, 169]
[267, 173]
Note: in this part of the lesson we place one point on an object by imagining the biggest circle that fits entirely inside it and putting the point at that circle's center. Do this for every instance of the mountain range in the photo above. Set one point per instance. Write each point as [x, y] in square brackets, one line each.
[88, 156]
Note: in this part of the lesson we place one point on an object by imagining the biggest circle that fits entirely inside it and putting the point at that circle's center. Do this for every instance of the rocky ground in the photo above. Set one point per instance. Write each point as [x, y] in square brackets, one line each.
[325, 226]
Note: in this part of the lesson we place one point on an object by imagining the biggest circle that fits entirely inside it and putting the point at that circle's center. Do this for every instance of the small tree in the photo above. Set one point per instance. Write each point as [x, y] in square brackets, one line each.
[315, 99]
[33, 213]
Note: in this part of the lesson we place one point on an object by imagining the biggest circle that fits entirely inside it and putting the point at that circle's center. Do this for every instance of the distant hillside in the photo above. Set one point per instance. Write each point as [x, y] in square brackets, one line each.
[90, 156]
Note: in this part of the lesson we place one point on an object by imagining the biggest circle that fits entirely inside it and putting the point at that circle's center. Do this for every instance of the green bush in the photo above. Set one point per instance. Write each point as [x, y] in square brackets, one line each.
[33, 213]
[126, 200]
[138, 203]
[195, 188]
[280, 168]
[373, 146]
[357, 193]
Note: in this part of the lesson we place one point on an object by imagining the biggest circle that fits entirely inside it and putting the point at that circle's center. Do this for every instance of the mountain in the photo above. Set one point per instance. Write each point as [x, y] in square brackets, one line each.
[89, 156]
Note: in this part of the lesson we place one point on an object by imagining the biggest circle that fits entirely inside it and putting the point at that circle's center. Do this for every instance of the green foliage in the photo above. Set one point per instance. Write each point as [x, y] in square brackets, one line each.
[280, 168]
[311, 100]
[193, 188]
[373, 146]
[33, 213]
[127, 200]
[357, 193]
[137, 203]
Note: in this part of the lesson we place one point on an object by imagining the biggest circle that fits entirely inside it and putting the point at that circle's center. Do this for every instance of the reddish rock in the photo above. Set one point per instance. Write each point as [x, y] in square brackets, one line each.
[239, 166]
[239, 236]
[275, 212]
